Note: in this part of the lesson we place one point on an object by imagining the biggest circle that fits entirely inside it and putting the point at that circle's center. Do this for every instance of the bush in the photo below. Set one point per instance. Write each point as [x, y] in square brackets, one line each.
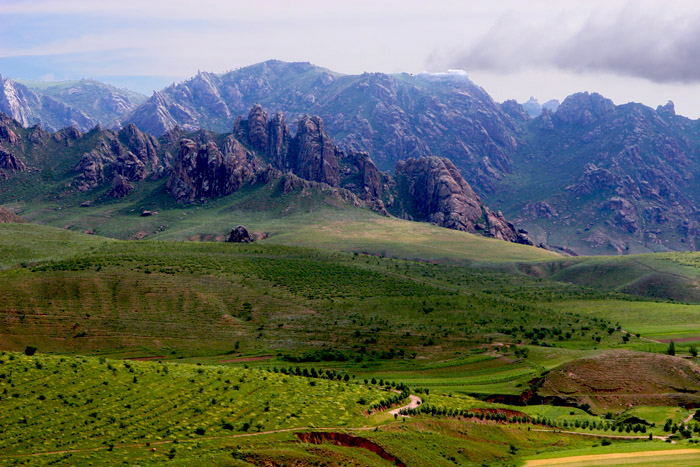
[606, 442]
[30, 350]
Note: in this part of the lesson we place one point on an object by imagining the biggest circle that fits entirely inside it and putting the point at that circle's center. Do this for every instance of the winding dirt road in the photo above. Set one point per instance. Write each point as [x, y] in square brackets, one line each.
[415, 402]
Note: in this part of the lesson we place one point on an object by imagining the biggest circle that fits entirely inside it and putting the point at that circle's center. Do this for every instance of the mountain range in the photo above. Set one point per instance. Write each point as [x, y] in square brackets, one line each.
[585, 176]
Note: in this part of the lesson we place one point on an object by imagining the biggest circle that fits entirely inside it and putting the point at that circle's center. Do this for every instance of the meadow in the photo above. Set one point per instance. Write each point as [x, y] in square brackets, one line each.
[228, 336]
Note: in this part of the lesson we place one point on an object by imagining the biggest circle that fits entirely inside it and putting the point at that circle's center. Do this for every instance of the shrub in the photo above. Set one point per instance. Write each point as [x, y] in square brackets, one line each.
[30, 350]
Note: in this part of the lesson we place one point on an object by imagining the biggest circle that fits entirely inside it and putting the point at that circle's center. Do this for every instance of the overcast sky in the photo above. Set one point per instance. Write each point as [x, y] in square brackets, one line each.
[642, 51]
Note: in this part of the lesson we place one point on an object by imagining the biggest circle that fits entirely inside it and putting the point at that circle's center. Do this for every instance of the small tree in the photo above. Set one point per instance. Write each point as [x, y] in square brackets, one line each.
[671, 348]
[693, 351]
[30, 350]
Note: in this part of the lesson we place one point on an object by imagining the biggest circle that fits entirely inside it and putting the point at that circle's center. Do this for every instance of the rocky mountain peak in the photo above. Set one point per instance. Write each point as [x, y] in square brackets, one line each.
[667, 109]
[585, 109]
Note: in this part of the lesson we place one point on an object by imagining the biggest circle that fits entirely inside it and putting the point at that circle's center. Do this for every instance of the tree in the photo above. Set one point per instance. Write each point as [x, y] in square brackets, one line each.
[30, 350]
[671, 348]
[693, 351]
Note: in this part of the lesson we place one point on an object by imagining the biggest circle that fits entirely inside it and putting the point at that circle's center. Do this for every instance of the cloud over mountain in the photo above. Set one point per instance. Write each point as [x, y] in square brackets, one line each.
[656, 44]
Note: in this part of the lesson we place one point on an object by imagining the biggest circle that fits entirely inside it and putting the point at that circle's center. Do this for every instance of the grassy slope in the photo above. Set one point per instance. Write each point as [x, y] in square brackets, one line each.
[314, 220]
[89, 411]
[27, 243]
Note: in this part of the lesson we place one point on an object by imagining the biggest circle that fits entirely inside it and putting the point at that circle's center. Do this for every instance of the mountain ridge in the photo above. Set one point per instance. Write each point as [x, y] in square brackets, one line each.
[587, 177]
[198, 166]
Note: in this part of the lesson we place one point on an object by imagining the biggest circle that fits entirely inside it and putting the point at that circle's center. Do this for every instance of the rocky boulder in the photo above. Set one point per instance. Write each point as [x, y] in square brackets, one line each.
[240, 235]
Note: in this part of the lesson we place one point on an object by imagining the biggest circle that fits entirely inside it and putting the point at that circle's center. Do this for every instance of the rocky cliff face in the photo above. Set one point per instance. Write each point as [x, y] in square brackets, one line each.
[428, 189]
[312, 155]
[260, 150]
[126, 156]
[205, 171]
[431, 189]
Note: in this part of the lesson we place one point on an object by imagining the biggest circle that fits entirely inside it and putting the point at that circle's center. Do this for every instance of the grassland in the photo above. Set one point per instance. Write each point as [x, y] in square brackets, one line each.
[95, 411]
[313, 220]
[456, 317]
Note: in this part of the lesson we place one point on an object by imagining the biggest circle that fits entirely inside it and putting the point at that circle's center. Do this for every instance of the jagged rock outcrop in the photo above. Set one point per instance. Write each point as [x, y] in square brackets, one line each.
[239, 234]
[431, 189]
[204, 171]
[92, 167]
[144, 146]
[8, 127]
[535, 109]
[254, 129]
[360, 175]
[312, 155]
[126, 156]
[278, 139]
[130, 167]
[585, 109]
[67, 135]
[10, 163]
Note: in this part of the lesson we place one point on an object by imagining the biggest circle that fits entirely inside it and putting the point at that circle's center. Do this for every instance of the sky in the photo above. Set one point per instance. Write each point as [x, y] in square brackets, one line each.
[642, 51]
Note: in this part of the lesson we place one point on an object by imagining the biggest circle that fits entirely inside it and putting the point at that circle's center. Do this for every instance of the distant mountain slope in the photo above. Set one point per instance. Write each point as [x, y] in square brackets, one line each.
[392, 117]
[82, 104]
[599, 178]
[101, 102]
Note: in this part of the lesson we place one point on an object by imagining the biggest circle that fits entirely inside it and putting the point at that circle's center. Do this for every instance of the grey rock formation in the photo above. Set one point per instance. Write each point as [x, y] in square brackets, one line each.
[431, 189]
[240, 234]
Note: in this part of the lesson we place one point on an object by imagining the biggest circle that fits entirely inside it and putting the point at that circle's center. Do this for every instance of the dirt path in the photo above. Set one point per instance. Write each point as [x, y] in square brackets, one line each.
[609, 457]
[248, 359]
[687, 419]
[598, 435]
[641, 338]
[415, 402]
